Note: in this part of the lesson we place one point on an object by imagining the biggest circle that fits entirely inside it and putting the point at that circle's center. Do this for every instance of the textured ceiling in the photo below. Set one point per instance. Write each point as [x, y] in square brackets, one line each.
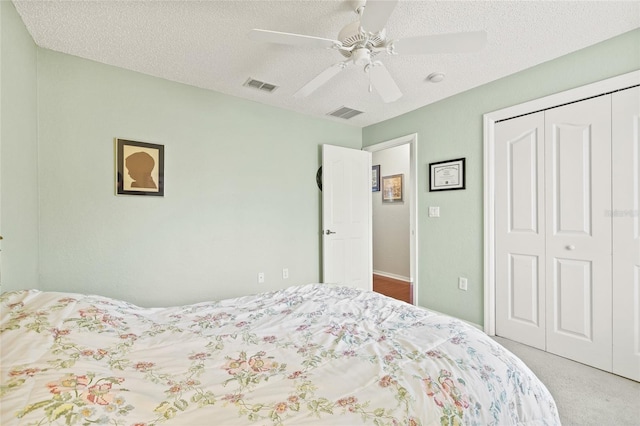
[206, 44]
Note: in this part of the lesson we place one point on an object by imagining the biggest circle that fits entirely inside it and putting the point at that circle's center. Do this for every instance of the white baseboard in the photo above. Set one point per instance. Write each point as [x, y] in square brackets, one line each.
[392, 276]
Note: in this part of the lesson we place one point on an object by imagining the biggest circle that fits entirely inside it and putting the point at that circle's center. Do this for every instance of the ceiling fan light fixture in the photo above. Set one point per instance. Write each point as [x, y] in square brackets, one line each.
[361, 56]
[435, 77]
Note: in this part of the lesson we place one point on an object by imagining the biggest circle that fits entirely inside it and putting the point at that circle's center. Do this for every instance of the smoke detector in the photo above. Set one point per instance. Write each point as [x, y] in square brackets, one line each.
[435, 77]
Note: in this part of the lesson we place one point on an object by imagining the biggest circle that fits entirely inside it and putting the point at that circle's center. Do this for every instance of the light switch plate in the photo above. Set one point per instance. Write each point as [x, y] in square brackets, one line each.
[434, 211]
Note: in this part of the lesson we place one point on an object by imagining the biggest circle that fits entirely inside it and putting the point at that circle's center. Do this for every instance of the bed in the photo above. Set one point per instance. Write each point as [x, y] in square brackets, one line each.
[314, 354]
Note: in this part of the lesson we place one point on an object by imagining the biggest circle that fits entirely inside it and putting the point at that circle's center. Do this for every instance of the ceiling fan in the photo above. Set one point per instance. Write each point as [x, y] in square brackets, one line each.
[361, 41]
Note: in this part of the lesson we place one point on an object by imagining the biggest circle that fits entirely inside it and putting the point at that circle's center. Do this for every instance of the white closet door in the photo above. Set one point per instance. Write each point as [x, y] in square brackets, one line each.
[626, 232]
[578, 243]
[520, 231]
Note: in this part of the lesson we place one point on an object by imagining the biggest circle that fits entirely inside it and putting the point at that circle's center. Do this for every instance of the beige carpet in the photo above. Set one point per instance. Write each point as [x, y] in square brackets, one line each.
[584, 395]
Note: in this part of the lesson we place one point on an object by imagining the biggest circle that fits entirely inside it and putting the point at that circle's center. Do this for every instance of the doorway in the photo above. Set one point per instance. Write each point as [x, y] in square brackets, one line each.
[394, 220]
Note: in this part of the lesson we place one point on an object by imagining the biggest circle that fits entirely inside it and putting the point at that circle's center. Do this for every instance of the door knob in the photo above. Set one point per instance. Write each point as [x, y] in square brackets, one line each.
[329, 232]
[571, 247]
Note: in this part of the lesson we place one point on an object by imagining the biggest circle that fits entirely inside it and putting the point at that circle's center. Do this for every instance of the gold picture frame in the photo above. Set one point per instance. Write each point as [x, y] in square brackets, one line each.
[392, 188]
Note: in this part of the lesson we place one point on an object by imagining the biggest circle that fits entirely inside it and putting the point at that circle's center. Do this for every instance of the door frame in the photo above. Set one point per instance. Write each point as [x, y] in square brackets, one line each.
[489, 120]
[412, 141]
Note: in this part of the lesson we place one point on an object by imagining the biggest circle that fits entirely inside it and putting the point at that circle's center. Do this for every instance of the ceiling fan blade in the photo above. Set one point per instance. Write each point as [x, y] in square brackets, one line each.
[441, 43]
[376, 14]
[383, 82]
[321, 79]
[292, 39]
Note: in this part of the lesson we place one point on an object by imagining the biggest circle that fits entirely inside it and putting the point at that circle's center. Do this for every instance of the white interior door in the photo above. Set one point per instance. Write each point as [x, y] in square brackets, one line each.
[578, 240]
[520, 230]
[626, 232]
[346, 217]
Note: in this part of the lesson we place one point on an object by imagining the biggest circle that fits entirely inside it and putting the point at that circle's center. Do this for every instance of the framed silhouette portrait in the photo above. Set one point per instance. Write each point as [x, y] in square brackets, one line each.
[140, 168]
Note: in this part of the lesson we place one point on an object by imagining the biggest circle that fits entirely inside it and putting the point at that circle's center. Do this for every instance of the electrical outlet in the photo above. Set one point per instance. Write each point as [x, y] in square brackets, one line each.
[260, 277]
[285, 273]
[462, 283]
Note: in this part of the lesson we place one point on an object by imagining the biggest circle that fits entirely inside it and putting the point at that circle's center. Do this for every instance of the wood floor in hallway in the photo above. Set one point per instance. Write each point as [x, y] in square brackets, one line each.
[397, 289]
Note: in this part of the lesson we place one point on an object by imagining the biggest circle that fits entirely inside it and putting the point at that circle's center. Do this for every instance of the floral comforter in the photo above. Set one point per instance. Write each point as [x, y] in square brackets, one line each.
[313, 354]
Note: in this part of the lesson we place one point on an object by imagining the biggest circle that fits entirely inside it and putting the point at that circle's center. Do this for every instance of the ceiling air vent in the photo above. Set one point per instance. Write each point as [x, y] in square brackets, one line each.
[260, 85]
[345, 112]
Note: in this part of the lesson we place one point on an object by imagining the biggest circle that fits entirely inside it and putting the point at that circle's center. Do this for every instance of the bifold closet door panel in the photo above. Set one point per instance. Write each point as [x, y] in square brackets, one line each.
[578, 231]
[626, 232]
[520, 233]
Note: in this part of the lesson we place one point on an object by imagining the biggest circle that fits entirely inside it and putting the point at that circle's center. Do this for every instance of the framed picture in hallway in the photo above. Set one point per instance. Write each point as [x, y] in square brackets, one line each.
[375, 178]
[392, 188]
[446, 175]
[140, 168]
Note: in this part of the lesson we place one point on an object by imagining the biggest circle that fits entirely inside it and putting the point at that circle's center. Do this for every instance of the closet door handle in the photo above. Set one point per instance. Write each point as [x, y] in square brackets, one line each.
[571, 247]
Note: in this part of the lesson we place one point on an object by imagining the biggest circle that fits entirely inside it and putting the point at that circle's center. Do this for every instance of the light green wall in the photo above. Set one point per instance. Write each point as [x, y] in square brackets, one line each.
[452, 245]
[18, 153]
[240, 192]
[240, 178]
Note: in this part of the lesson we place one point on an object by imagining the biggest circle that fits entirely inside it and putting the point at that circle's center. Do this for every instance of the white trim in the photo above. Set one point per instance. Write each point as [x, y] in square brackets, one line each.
[489, 231]
[392, 276]
[609, 85]
[412, 140]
